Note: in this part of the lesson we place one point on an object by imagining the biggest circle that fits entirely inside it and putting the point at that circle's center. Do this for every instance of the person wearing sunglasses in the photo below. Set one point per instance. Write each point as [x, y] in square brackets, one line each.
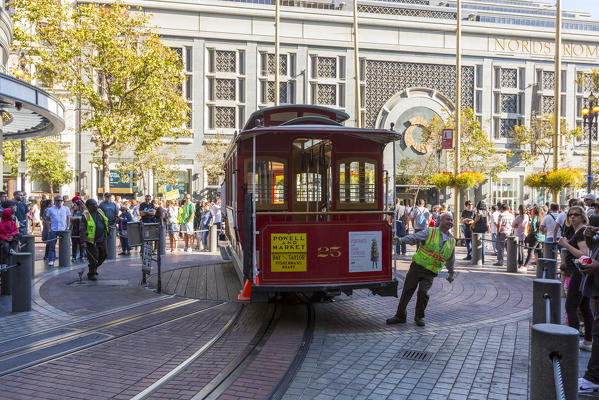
[577, 247]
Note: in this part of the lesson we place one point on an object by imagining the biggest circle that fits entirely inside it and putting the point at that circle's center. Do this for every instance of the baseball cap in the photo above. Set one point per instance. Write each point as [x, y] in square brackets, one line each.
[590, 196]
[107, 194]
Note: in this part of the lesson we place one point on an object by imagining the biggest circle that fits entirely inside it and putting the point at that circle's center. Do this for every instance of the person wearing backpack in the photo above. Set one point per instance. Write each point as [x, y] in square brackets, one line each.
[400, 226]
[420, 217]
[481, 224]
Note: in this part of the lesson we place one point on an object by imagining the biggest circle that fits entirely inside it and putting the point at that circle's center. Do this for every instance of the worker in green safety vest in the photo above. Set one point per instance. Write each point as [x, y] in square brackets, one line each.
[436, 250]
[93, 234]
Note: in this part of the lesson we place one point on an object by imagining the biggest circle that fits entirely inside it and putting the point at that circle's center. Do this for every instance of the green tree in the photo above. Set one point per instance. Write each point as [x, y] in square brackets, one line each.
[108, 61]
[47, 162]
[162, 161]
[533, 143]
[212, 157]
[477, 152]
[418, 171]
[12, 154]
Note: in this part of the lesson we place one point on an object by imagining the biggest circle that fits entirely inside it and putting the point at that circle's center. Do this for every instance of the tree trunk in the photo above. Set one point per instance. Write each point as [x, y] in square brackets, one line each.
[105, 170]
[544, 195]
[51, 189]
[143, 183]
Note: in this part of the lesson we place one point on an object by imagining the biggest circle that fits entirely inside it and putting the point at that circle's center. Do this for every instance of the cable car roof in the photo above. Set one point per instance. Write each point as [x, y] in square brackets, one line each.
[381, 136]
[273, 116]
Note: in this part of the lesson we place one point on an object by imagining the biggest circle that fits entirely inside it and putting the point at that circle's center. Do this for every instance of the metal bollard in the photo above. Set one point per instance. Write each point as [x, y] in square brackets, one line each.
[111, 244]
[21, 279]
[28, 246]
[477, 249]
[5, 288]
[512, 254]
[541, 290]
[549, 340]
[64, 248]
[547, 265]
[549, 250]
[163, 240]
[213, 239]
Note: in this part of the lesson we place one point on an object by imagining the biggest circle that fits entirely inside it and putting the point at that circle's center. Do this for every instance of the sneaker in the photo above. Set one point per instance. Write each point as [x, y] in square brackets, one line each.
[92, 277]
[522, 269]
[12, 251]
[585, 347]
[498, 264]
[50, 263]
[396, 320]
[586, 386]
[467, 258]
[419, 321]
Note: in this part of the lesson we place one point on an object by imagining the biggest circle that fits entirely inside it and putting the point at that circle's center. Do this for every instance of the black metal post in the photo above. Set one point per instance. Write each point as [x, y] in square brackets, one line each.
[23, 160]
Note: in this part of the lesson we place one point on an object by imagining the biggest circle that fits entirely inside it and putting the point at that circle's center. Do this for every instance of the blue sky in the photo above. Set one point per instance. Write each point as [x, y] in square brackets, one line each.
[582, 5]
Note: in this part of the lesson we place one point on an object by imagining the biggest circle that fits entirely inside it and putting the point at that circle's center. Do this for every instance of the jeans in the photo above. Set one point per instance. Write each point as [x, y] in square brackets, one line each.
[400, 231]
[51, 245]
[205, 232]
[521, 245]
[574, 301]
[468, 237]
[483, 236]
[494, 242]
[44, 238]
[536, 246]
[500, 245]
[124, 242]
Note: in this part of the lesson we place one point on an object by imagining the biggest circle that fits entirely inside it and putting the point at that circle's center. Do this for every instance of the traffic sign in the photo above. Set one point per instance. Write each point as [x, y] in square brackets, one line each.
[447, 140]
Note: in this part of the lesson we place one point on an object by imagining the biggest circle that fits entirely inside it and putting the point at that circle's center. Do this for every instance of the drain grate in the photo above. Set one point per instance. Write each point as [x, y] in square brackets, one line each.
[414, 355]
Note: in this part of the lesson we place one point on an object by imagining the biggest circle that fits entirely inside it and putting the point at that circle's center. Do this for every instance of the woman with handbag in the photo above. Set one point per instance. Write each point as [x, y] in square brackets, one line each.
[480, 224]
[534, 240]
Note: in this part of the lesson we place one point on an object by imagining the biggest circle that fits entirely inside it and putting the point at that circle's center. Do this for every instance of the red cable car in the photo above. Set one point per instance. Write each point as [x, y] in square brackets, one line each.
[305, 204]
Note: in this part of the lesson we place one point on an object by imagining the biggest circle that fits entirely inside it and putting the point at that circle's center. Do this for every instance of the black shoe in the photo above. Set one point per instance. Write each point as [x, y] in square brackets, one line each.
[122, 254]
[419, 321]
[92, 277]
[467, 258]
[396, 320]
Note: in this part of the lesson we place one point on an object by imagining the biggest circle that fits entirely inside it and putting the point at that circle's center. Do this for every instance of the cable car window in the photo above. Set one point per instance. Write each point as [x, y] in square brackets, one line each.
[271, 186]
[357, 184]
[308, 186]
[311, 173]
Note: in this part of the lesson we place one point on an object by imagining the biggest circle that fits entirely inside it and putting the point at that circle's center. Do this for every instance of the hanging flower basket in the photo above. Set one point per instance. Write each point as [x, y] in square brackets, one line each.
[442, 180]
[536, 180]
[560, 179]
[468, 179]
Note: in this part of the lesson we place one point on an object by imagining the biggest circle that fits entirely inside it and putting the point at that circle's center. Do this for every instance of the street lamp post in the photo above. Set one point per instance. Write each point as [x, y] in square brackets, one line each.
[589, 115]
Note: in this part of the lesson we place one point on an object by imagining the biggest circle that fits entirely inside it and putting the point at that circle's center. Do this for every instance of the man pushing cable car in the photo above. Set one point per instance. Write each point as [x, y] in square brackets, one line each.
[436, 249]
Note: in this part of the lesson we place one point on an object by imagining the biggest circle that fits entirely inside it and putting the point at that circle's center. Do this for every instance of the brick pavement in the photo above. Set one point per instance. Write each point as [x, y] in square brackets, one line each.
[477, 334]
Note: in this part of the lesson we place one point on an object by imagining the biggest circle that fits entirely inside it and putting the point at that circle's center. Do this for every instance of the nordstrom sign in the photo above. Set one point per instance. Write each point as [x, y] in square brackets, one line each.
[543, 47]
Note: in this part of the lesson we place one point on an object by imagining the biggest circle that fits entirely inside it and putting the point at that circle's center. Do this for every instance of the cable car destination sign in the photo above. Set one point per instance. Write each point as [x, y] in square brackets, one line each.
[288, 252]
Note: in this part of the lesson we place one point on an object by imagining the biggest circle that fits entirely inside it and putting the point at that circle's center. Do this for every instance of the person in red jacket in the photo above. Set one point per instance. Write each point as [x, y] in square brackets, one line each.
[9, 235]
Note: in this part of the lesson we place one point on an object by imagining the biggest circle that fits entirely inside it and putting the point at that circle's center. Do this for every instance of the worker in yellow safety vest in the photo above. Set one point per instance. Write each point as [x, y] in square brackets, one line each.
[93, 233]
[436, 250]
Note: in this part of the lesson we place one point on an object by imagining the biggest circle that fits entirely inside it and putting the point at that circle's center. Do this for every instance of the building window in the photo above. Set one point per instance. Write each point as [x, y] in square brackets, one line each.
[225, 89]
[287, 83]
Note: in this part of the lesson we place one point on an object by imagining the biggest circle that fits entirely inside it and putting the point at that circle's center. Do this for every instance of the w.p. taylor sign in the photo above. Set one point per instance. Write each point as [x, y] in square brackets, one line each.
[543, 47]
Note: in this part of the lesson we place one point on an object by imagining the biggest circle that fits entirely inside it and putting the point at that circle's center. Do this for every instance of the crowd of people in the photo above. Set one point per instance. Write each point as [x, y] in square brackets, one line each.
[573, 227]
[48, 217]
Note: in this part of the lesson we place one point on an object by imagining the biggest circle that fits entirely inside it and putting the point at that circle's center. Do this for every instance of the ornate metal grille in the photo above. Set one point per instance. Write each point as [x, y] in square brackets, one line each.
[270, 92]
[509, 78]
[506, 126]
[587, 84]
[282, 64]
[224, 89]
[387, 78]
[326, 94]
[327, 67]
[406, 11]
[548, 80]
[224, 117]
[509, 103]
[225, 61]
[548, 104]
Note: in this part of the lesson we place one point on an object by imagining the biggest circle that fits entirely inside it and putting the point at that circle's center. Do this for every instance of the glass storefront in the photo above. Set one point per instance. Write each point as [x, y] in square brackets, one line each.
[506, 190]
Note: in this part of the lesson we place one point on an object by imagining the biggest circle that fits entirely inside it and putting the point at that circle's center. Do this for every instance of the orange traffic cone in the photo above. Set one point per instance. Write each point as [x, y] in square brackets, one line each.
[244, 295]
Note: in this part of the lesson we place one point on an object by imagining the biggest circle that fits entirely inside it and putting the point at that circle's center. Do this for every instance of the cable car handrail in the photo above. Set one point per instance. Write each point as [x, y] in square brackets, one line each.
[321, 212]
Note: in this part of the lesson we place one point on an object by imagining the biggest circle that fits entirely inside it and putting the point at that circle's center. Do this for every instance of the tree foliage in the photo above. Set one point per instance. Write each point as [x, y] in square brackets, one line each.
[477, 152]
[112, 64]
[533, 143]
[212, 157]
[418, 171]
[47, 162]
